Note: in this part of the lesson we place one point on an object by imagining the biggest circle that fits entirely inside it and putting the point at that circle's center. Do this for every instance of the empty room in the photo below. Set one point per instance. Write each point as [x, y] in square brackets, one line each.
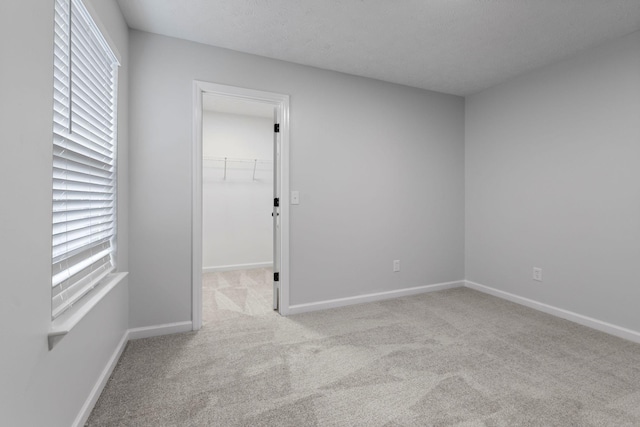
[337, 213]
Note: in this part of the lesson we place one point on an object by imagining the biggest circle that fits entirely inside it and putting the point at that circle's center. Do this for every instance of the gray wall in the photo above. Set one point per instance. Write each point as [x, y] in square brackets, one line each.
[237, 226]
[379, 168]
[40, 387]
[552, 180]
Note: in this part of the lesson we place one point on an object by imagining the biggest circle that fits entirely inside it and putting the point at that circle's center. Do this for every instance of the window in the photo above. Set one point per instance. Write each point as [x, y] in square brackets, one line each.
[84, 156]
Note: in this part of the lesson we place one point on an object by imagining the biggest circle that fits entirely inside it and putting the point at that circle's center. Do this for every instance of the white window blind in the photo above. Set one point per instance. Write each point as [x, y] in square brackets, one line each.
[84, 156]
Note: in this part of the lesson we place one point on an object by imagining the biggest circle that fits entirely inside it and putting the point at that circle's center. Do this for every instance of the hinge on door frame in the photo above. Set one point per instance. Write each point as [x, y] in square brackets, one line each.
[276, 277]
[276, 202]
[276, 127]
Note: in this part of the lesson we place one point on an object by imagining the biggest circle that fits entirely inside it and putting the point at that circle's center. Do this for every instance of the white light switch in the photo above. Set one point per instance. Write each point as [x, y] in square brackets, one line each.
[295, 197]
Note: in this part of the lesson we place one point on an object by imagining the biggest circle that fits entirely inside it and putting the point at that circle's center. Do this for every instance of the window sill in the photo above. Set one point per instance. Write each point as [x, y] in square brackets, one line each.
[62, 325]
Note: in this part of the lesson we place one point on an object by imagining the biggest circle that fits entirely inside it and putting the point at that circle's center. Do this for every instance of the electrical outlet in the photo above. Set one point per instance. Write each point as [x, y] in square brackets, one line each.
[537, 274]
[396, 265]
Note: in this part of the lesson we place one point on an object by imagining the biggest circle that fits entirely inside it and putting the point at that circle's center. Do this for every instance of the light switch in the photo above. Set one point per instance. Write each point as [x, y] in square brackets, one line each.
[295, 197]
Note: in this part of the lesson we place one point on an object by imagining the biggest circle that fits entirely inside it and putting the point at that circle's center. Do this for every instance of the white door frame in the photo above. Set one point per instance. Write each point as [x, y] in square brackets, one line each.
[281, 103]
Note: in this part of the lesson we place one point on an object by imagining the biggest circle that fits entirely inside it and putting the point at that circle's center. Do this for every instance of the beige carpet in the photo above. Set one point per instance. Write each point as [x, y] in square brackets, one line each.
[232, 294]
[449, 358]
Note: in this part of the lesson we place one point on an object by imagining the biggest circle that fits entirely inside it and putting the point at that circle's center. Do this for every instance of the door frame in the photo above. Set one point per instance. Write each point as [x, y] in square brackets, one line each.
[281, 103]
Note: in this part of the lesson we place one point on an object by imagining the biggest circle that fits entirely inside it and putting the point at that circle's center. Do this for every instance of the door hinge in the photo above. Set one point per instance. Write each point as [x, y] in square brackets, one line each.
[276, 127]
[276, 277]
[276, 202]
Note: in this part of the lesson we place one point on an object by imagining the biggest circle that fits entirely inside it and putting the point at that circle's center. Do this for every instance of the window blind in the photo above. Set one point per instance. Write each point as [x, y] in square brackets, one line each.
[84, 156]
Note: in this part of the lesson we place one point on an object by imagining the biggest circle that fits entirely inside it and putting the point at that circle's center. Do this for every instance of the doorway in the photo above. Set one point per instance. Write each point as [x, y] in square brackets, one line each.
[245, 172]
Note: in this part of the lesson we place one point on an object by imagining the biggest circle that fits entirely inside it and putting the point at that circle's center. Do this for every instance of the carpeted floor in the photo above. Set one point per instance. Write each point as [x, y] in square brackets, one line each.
[233, 294]
[455, 357]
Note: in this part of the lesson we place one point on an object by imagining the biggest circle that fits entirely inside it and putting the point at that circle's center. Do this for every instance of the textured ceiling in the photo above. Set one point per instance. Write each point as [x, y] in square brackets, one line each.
[451, 46]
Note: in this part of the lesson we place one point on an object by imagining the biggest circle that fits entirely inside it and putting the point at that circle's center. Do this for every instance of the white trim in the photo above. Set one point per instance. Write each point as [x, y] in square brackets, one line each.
[129, 334]
[283, 105]
[590, 322]
[156, 330]
[86, 409]
[237, 267]
[341, 302]
[64, 323]
[196, 210]
[279, 101]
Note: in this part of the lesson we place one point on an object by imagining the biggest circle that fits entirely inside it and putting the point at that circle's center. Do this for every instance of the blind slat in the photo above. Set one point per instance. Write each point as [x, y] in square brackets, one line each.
[66, 174]
[65, 247]
[82, 252]
[86, 44]
[65, 153]
[79, 186]
[93, 121]
[64, 297]
[83, 126]
[73, 166]
[71, 225]
[80, 205]
[83, 92]
[81, 233]
[71, 215]
[72, 175]
[82, 77]
[85, 60]
[78, 267]
[80, 195]
[94, 149]
[61, 263]
[90, 109]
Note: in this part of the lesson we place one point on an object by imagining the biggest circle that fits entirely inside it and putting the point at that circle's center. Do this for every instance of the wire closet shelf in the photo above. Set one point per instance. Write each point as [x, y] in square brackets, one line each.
[234, 162]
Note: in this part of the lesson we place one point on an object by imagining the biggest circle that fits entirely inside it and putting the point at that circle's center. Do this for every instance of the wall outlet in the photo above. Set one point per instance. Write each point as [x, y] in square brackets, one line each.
[396, 265]
[537, 274]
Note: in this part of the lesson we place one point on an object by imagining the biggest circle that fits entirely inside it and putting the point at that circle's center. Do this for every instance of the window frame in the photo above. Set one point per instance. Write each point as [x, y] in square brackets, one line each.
[89, 29]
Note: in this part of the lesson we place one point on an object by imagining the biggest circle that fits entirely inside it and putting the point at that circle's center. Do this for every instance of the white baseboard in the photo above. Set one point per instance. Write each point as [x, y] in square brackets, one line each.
[86, 409]
[156, 330]
[237, 267]
[590, 322]
[341, 302]
[130, 334]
